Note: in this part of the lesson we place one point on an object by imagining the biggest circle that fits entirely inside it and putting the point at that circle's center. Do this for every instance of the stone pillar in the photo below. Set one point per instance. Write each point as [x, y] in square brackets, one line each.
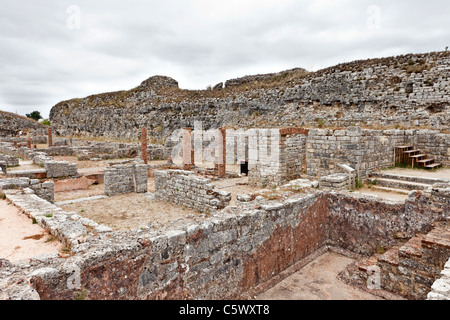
[144, 145]
[29, 143]
[50, 137]
[187, 149]
[221, 155]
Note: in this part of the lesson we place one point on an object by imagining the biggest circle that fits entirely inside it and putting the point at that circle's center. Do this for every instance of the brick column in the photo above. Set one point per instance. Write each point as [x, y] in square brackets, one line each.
[50, 137]
[187, 149]
[221, 156]
[144, 145]
[29, 143]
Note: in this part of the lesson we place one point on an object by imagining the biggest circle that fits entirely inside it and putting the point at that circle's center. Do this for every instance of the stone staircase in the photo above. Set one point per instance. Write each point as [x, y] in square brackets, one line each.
[410, 268]
[416, 158]
[401, 183]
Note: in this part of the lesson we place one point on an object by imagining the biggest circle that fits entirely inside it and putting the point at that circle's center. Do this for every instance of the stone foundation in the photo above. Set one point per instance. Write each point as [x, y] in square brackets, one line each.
[126, 178]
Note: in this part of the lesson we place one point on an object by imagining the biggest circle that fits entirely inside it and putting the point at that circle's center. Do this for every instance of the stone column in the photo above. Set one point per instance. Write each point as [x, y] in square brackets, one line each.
[144, 145]
[50, 137]
[187, 149]
[221, 155]
[29, 143]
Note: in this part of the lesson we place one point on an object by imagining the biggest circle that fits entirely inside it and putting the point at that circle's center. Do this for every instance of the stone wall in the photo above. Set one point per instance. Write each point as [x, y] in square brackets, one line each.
[11, 161]
[126, 178]
[232, 254]
[186, 189]
[403, 91]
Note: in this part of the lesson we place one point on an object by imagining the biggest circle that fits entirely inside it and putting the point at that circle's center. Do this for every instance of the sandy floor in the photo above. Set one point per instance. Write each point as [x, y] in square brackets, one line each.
[20, 239]
[317, 281]
[129, 211]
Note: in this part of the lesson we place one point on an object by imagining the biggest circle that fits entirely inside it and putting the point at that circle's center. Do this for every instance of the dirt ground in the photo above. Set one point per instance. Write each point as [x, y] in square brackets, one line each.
[130, 211]
[20, 239]
[317, 281]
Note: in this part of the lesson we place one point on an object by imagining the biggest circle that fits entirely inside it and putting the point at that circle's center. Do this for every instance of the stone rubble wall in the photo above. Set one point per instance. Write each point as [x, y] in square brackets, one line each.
[126, 178]
[186, 189]
[60, 169]
[440, 290]
[44, 190]
[337, 181]
[11, 161]
[232, 254]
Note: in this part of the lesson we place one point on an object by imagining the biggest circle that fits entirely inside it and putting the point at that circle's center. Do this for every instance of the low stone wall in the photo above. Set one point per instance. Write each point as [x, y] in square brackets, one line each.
[126, 178]
[184, 188]
[69, 228]
[232, 254]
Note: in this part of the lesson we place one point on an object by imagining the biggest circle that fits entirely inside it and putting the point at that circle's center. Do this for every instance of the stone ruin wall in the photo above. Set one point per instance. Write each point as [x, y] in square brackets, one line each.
[403, 91]
[233, 254]
[275, 157]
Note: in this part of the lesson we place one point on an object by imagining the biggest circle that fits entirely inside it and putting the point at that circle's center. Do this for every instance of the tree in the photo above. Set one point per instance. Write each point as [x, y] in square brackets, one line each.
[35, 115]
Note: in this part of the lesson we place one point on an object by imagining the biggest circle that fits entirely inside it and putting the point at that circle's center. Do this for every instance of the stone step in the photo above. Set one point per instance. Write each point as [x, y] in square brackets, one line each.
[399, 184]
[433, 166]
[425, 180]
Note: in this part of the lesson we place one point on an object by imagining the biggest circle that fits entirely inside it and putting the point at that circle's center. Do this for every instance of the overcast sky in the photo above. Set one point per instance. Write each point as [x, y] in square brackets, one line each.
[56, 50]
